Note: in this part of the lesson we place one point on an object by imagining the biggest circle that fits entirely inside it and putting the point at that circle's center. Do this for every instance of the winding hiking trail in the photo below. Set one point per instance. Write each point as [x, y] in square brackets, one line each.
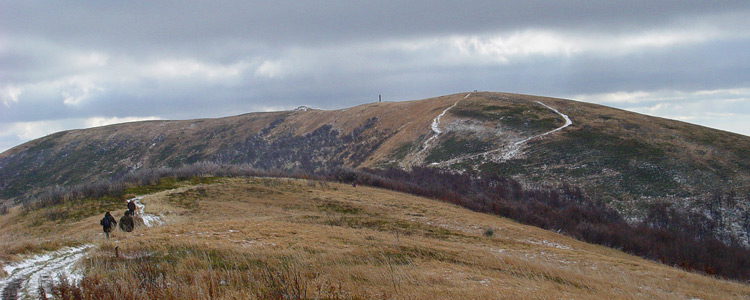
[510, 151]
[568, 122]
[435, 126]
[149, 220]
[24, 277]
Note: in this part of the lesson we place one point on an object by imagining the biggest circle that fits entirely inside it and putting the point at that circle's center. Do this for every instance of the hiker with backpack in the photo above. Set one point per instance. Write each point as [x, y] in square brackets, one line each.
[126, 222]
[131, 207]
[107, 223]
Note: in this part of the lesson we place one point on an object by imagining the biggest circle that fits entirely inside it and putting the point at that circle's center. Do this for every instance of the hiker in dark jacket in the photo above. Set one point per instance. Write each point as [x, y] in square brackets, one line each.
[107, 223]
[126, 222]
[131, 207]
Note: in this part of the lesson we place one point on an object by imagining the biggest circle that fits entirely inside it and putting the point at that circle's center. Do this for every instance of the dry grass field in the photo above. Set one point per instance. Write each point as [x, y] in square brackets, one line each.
[261, 238]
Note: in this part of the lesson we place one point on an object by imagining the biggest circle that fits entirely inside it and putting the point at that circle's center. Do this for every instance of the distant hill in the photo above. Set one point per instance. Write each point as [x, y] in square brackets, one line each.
[634, 163]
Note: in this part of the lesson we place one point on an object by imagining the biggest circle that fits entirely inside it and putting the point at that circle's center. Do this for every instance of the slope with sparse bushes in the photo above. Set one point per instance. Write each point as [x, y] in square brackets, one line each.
[564, 209]
[621, 157]
[266, 238]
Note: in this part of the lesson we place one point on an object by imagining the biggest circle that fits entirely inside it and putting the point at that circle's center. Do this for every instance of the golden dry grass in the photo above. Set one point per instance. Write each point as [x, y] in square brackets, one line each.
[260, 238]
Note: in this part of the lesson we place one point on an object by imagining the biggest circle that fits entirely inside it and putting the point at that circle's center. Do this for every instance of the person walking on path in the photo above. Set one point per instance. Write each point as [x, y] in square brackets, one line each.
[126, 222]
[131, 207]
[107, 223]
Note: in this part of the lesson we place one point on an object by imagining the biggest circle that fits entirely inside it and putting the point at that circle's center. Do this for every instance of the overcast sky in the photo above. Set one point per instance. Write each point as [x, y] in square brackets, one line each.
[80, 64]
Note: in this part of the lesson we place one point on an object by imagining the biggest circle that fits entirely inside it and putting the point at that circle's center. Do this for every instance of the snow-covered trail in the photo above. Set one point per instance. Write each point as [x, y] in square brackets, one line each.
[568, 122]
[418, 157]
[149, 220]
[511, 150]
[25, 276]
[435, 126]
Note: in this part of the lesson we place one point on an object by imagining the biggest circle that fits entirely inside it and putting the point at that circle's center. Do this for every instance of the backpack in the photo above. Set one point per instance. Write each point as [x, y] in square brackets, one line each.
[105, 222]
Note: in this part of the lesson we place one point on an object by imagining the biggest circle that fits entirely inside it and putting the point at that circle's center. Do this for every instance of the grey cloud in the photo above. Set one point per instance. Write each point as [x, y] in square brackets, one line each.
[337, 53]
[187, 25]
[339, 81]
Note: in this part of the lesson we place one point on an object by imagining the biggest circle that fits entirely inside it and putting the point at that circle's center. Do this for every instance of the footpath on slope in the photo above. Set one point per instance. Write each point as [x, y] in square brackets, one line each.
[511, 150]
[435, 126]
[25, 277]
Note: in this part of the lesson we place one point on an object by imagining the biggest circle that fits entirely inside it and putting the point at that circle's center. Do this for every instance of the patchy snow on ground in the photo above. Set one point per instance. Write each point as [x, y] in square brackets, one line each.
[549, 244]
[43, 269]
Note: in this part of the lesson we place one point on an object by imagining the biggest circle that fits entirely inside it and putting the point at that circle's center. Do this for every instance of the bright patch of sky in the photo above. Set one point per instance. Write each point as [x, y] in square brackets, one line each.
[726, 109]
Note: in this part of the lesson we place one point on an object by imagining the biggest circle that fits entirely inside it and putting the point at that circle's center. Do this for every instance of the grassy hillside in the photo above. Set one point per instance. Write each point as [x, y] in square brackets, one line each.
[686, 188]
[615, 155]
[621, 155]
[268, 238]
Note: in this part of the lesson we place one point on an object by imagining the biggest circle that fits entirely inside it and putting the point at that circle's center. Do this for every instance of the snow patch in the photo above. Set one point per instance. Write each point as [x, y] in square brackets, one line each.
[44, 269]
[149, 220]
[549, 244]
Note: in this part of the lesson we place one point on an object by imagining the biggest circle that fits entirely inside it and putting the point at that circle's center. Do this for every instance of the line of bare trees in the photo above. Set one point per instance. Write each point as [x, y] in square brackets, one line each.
[684, 239]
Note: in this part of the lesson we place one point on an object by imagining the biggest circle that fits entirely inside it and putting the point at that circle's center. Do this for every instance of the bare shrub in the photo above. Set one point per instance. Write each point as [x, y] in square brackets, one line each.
[677, 238]
[65, 290]
[282, 283]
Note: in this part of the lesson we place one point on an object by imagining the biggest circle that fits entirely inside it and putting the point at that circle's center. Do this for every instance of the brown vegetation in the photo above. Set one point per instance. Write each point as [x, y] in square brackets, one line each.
[625, 159]
[263, 238]
[672, 237]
